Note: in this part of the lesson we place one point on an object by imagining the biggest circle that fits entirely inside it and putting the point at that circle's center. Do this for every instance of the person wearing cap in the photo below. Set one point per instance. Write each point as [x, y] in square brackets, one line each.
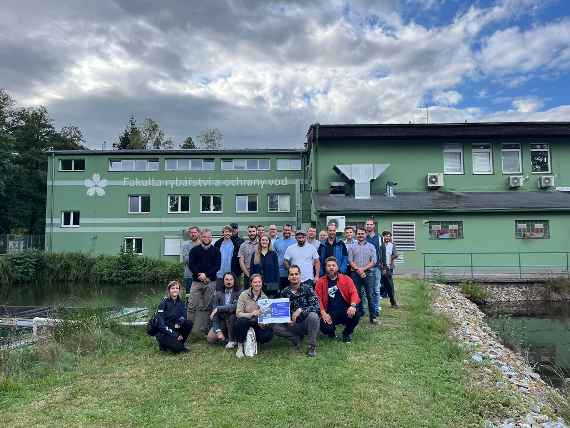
[305, 256]
[235, 234]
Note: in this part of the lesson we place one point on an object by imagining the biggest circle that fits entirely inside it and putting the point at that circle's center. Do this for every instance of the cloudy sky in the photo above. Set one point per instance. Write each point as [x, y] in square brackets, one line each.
[262, 71]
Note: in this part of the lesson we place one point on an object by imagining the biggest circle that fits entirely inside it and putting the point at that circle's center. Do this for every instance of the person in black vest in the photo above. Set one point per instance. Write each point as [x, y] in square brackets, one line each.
[173, 328]
[264, 261]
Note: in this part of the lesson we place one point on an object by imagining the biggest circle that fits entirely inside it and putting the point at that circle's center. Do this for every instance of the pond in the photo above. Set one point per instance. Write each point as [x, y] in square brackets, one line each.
[539, 330]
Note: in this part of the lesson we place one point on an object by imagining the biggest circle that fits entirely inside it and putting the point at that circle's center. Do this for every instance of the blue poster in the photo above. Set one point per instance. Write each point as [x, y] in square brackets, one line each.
[274, 311]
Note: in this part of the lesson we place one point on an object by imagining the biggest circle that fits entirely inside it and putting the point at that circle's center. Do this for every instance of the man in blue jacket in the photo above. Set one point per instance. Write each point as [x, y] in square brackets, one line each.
[333, 247]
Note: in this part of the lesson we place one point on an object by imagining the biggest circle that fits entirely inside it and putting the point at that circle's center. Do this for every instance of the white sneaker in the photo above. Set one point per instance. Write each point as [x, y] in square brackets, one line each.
[230, 345]
[239, 352]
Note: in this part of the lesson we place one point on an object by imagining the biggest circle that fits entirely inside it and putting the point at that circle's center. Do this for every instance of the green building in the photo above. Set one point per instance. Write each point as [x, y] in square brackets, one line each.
[471, 198]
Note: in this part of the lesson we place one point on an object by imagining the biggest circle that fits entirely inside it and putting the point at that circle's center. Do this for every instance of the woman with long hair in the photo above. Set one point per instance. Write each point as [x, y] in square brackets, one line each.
[223, 314]
[173, 327]
[265, 262]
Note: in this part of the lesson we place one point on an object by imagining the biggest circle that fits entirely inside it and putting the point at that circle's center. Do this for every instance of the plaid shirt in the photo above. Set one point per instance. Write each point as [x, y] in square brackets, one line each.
[305, 299]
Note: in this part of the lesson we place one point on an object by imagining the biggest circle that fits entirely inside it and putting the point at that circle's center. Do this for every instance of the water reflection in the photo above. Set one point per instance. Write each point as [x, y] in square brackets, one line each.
[542, 330]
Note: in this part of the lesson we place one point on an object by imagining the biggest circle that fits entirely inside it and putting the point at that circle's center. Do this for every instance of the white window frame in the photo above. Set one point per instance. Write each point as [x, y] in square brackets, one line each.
[71, 217]
[529, 234]
[247, 195]
[504, 150]
[226, 166]
[179, 203]
[134, 169]
[401, 246]
[279, 210]
[288, 166]
[134, 246]
[211, 195]
[453, 148]
[451, 225]
[140, 204]
[547, 149]
[475, 149]
[73, 168]
[178, 168]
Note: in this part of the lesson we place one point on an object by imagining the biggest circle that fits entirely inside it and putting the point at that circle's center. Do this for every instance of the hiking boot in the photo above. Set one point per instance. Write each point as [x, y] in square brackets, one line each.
[375, 321]
[239, 352]
[312, 352]
[231, 345]
[347, 338]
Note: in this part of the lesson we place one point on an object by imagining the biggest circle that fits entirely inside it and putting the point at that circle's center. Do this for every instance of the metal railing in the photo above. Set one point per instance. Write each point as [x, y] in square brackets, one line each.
[497, 265]
[10, 244]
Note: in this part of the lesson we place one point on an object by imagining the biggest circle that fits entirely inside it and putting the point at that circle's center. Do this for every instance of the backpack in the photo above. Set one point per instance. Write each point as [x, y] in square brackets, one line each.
[152, 326]
[250, 345]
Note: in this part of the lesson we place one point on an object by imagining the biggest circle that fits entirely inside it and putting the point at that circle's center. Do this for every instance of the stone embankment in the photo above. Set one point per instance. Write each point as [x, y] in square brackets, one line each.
[497, 366]
[512, 292]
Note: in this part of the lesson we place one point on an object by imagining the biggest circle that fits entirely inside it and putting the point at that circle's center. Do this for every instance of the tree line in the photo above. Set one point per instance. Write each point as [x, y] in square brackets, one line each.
[27, 134]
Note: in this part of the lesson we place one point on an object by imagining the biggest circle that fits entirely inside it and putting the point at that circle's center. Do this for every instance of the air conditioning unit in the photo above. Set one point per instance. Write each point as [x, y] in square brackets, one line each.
[546, 181]
[337, 188]
[339, 220]
[434, 180]
[515, 181]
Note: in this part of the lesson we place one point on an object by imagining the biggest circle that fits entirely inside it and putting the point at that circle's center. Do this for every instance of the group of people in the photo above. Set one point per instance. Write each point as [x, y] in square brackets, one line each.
[326, 281]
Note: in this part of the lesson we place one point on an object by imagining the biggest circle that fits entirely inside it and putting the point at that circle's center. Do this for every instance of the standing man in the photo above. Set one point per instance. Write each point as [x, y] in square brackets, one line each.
[229, 248]
[272, 233]
[376, 241]
[204, 261]
[280, 246]
[362, 259]
[338, 300]
[333, 247]
[305, 256]
[235, 234]
[260, 231]
[388, 254]
[349, 236]
[245, 252]
[312, 238]
[194, 234]
[305, 309]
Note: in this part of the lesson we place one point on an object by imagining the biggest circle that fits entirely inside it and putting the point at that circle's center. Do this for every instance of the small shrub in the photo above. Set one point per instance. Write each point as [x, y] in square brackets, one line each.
[474, 292]
[557, 285]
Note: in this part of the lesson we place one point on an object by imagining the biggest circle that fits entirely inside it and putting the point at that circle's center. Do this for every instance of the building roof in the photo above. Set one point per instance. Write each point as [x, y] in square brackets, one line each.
[439, 130]
[200, 152]
[440, 201]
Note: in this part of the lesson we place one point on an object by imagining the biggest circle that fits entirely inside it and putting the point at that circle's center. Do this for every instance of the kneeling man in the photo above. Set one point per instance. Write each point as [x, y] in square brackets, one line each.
[304, 312]
[338, 300]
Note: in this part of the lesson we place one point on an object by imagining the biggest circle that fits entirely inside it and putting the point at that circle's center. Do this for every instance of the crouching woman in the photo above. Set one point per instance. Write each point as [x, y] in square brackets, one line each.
[247, 311]
[224, 313]
[173, 328]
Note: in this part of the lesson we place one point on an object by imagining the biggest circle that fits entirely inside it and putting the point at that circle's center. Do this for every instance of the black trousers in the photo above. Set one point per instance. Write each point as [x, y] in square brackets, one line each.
[387, 287]
[242, 325]
[170, 342]
[340, 317]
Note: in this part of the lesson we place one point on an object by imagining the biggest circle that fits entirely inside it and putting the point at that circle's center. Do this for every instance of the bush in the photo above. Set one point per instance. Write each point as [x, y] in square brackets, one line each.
[474, 292]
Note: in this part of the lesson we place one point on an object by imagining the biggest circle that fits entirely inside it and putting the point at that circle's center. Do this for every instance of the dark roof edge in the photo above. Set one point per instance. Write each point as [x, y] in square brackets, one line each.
[176, 152]
[452, 210]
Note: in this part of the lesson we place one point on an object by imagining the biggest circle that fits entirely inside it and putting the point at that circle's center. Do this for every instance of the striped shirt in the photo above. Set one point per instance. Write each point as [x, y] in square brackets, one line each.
[361, 254]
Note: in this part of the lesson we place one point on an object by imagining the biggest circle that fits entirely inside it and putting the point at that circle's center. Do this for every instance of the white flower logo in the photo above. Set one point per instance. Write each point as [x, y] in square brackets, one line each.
[95, 185]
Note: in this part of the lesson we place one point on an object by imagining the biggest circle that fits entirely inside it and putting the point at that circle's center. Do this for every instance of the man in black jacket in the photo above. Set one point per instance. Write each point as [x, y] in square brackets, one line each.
[204, 261]
[234, 242]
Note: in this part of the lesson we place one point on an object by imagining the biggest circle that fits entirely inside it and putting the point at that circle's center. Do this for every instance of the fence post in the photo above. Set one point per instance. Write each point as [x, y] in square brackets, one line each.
[567, 265]
[471, 258]
[424, 265]
[520, 266]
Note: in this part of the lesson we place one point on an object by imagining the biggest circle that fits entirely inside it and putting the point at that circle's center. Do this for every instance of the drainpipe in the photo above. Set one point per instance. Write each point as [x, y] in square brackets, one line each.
[51, 202]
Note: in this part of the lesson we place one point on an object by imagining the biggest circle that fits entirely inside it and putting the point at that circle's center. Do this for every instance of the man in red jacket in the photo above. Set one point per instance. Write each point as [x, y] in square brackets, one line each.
[338, 299]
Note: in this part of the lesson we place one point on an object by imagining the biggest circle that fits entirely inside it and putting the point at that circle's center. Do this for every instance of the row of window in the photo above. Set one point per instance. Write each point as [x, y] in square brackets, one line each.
[178, 204]
[482, 157]
[524, 229]
[186, 164]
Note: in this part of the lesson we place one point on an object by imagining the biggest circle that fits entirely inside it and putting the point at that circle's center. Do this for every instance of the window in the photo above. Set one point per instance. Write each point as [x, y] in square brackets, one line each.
[178, 203]
[189, 164]
[72, 165]
[453, 159]
[211, 204]
[70, 219]
[245, 164]
[289, 164]
[404, 235]
[172, 246]
[532, 229]
[133, 244]
[446, 230]
[539, 158]
[511, 158]
[139, 204]
[279, 203]
[246, 203]
[133, 165]
[482, 156]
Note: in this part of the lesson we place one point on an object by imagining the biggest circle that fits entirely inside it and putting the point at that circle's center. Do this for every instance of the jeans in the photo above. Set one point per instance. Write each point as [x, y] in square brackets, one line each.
[340, 317]
[365, 288]
[242, 325]
[309, 326]
[376, 297]
[224, 322]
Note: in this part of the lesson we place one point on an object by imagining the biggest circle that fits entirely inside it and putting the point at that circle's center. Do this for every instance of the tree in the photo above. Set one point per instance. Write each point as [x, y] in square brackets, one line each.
[188, 144]
[210, 139]
[131, 138]
[153, 137]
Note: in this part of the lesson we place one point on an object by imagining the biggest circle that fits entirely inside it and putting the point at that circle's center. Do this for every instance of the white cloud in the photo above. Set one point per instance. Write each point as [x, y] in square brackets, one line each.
[527, 105]
[447, 98]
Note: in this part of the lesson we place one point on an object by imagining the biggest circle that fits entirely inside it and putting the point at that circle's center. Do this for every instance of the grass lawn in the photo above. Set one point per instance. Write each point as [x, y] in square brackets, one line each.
[404, 373]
